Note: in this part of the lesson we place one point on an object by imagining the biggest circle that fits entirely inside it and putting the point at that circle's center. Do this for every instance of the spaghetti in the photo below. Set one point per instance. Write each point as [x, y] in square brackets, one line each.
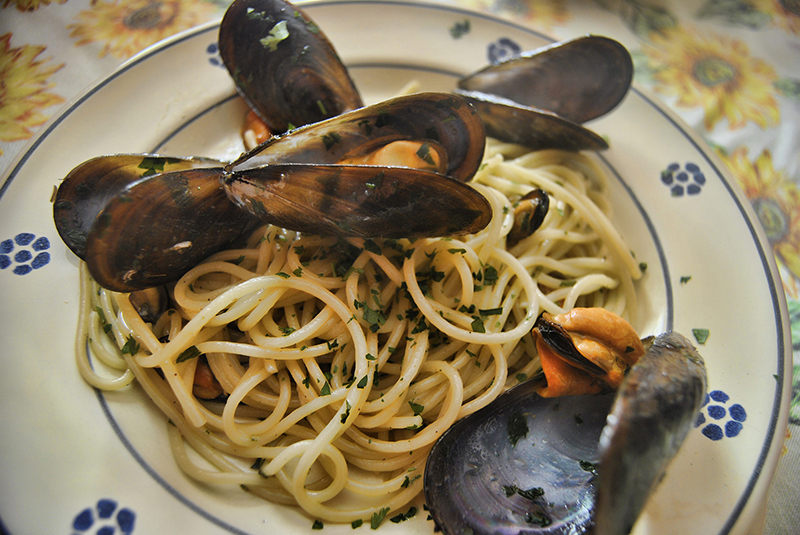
[341, 361]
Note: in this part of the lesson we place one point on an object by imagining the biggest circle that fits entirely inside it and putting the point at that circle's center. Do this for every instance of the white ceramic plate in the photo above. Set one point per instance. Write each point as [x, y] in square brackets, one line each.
[78, 461]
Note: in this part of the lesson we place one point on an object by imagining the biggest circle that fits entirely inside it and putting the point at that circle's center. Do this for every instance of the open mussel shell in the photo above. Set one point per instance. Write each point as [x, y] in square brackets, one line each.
[654, 410]
[283, 65]
[446, 122]
[86, 190]
[535, 128]
[359, 200]
[159, 227]
[531, 465]
[579, 79]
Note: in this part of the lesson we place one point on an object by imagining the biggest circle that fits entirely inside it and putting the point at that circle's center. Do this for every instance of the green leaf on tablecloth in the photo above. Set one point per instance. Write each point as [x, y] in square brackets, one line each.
[739, 12]
[643, 69]
[788, 87]
[794, 406]
[642, 18]
[793, 305]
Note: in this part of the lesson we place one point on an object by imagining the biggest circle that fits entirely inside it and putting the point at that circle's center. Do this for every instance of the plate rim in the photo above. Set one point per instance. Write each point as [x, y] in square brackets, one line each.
[767, 459]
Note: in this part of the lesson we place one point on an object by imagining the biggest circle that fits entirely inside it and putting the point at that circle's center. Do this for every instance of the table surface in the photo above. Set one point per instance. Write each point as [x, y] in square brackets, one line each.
[729, 68]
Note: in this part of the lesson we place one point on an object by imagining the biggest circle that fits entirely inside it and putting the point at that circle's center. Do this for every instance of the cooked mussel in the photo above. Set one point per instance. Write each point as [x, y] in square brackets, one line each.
[529, 464]
[294, 180]
[539, 98]
[283, 65]
[529, 214]
[158, 227]
[445, 124]
[579, 79]
[366, 201]
[509, 121]
[147, 227]
[89, 186]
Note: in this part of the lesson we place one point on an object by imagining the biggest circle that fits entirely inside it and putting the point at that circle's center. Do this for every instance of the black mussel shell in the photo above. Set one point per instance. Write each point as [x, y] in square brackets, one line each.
[579, 79]
[531, 465]
[653, 412]
[535, 128]
[444, 120]
[158, 228]
[283, 65]
[86, 190]
[523, 464]
[355, 200]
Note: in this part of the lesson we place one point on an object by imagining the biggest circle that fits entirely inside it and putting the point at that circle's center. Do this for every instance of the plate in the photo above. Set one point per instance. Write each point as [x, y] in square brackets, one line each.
[76, 460]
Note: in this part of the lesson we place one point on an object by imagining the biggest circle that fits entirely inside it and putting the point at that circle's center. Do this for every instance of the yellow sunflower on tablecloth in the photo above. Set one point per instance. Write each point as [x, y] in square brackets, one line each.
[126, 27]
[24, 89]
[785, 13]
[776, 201]
[714, 71]
[542, 14]
[29, 5]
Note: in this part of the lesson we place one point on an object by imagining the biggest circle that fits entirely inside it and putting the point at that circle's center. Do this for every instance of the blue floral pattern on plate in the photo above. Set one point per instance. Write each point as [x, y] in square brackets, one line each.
[213, 55]
[686, 180]
[502, 49]
[25, 252]
[719, 419]
[104, 518]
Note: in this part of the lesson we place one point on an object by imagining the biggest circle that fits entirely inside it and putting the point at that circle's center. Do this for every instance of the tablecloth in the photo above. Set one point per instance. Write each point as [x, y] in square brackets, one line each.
[729, 68]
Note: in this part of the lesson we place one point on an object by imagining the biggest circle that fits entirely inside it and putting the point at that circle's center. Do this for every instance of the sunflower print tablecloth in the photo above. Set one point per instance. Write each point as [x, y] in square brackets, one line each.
[728, 68]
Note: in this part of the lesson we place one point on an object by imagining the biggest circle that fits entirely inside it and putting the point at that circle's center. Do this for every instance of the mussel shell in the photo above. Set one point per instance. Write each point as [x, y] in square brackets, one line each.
[579, 79]
[475, 466]
[283, 65]
[358, 200]
[523, 441]
[650, 418]
[443, 119]
[534, 128]
[159, 227]
[86, 190]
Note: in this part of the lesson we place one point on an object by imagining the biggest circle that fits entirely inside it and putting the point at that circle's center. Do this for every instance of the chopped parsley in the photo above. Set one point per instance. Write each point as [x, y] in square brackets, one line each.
[372, 247]
[374, 317]
[530, 494]
[477, 325]
[538, 518]
[326, 389]
[459, 29]
[424, 154]
[401, 517]
[131, 346]
[346, 413]
[517, 428]
[278, 33]
[701, 335]
[409, 480]
[188, 353]
[588, 467]
[416, 408]
[331, 139]
[317, 524]
[489, 275]
[378, 517]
